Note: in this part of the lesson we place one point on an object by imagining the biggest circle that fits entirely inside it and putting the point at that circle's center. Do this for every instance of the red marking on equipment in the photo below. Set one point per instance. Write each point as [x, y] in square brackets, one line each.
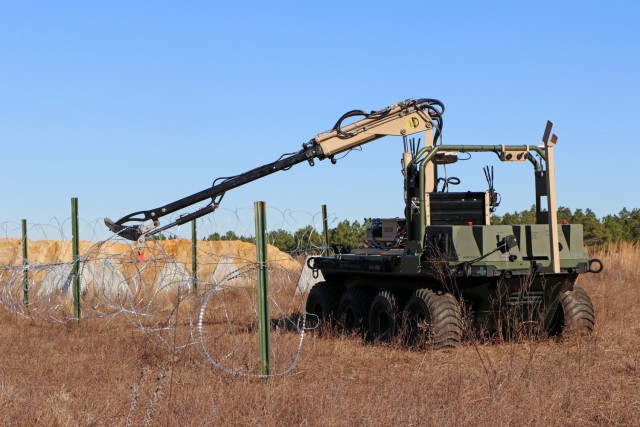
[141, 256]
[564, 221]
[469, 223]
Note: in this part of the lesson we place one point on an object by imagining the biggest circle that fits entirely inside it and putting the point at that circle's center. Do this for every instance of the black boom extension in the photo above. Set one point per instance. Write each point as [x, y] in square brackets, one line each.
[404, 118]
[215, 193]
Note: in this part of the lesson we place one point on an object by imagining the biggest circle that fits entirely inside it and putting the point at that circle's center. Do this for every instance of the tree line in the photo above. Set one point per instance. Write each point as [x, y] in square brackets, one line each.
[307, 238]
[621, 227]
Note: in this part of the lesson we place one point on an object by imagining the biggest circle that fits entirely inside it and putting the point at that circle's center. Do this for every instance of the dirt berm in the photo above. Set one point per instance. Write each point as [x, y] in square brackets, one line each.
[210, 253]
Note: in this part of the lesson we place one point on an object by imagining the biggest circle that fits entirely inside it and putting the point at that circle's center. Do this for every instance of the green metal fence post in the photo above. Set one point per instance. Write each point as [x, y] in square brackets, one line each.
[25, 264]
[75, 247]
[194, 257]
[325, 232]
[264, 320]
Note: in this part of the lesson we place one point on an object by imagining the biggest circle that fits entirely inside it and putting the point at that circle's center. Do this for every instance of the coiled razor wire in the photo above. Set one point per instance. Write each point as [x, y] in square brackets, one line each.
[223, 361]
[156, 296]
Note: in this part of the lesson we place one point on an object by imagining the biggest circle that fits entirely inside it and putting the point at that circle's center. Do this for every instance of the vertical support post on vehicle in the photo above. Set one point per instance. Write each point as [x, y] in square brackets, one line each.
[194, 257]
[418, 215]
[264, 320]
[325, 232]
[25, 264]
[75, 248]
[549, 144]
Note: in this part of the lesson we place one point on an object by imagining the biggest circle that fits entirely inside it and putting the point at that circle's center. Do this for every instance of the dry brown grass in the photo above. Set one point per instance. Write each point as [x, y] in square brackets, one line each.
[105, 372]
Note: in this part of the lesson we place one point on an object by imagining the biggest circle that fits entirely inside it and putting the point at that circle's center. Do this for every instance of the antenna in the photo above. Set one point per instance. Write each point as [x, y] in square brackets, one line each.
[494, 196]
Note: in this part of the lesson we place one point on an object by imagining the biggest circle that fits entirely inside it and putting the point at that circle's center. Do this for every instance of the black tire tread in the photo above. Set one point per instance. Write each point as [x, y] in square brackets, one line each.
[579, 315]
[328, 294]
[446, 318]
[390, 297]
[359, 298]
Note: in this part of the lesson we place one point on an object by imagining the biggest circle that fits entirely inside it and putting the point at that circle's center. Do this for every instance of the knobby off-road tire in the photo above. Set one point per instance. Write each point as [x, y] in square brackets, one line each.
[353, 309]
[435, 320]
[578, 316]
[322, 302]
[383, 316]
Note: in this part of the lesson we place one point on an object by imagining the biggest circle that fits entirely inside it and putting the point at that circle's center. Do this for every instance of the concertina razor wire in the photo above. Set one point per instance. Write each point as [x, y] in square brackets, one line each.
[156, 291]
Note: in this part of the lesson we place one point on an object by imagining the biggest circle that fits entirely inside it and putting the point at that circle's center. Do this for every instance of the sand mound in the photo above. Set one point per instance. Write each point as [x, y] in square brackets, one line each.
[109, 266]
[57, 251]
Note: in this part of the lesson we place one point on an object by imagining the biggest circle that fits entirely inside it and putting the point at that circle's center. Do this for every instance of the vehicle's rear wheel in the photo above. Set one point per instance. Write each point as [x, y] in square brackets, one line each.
[353, 308]
[322, 302]
[434, 320]
[575, 315]
[383, 316]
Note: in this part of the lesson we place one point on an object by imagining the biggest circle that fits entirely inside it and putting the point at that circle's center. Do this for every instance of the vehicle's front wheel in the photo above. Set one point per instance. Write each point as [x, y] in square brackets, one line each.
[322, 302]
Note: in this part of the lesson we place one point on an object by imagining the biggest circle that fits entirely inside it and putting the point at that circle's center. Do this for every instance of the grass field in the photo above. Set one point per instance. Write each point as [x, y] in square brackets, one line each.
[107, 372]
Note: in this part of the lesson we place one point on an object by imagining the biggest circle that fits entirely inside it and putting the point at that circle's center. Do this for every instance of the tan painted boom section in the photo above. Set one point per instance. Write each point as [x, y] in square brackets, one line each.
[399, 120]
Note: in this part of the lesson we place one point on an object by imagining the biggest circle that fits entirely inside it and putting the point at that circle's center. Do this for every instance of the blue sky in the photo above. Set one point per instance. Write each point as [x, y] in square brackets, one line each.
[131, 105]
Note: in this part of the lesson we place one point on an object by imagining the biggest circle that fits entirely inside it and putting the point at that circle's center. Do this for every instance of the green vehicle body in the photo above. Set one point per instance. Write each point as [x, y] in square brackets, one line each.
[502, 277]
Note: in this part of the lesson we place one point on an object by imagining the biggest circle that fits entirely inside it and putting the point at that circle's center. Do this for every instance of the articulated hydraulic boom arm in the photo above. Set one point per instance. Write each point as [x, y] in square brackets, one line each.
[404, 118]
